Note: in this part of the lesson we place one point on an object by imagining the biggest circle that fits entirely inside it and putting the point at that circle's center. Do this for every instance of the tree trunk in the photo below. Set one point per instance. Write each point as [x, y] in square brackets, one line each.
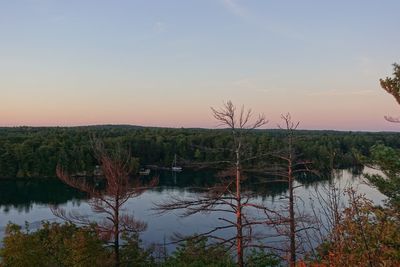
[239, 234]
[292, 233]
[116, 234]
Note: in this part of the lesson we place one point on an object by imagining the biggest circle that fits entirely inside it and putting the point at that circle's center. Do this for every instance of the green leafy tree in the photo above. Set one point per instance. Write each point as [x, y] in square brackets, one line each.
[385, 158]
[392, 84]
[133, 254]
[261, 258]
[195, 252]
[53, 244]
[388, 160]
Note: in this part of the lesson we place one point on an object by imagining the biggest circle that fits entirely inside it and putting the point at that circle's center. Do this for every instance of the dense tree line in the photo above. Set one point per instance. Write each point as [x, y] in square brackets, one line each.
[35, 152]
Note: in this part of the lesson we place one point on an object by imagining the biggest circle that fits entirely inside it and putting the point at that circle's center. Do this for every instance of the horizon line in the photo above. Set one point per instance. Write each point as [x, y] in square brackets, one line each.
[171, 127]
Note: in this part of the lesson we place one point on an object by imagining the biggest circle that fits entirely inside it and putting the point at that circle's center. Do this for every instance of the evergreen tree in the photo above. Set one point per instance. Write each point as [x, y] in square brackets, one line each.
[386, 158]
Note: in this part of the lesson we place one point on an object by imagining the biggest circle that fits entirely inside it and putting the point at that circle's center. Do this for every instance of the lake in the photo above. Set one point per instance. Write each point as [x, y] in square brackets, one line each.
[28, 200]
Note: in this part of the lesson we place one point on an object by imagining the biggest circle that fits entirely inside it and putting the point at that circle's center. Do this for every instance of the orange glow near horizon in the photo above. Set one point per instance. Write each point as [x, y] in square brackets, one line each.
[314, 112]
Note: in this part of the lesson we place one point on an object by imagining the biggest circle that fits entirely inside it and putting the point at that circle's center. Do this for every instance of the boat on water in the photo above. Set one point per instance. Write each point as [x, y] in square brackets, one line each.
[174, 167]
[144, 172]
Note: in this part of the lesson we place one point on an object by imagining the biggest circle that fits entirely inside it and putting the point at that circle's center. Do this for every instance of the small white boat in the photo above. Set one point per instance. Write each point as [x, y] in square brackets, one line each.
[144, 172]
[175, 168]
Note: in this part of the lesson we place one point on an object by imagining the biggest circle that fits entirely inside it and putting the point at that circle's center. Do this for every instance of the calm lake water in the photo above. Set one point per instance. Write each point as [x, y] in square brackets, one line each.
[28, 200]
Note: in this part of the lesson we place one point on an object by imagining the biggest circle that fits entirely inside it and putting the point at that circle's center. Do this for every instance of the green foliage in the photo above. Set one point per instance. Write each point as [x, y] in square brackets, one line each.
[53, 244]
[387, 158]
[35, 152]
[392, 84]
[388, 161]
[132, 254]
[197, 253]
[261, 258]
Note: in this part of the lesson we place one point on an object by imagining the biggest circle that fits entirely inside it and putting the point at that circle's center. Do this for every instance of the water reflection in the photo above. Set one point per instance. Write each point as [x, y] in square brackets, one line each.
[28, 199]
[22, 194]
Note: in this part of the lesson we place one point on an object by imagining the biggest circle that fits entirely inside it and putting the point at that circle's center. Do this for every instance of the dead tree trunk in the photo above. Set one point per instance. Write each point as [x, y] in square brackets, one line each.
[228, 196]
[116, 233]
[286, 220]
[239, 238]
[292, 225]
[119, 188]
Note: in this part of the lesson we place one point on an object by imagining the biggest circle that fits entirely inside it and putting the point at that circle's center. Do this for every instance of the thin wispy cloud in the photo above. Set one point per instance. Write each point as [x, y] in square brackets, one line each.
[367, 66]
[264, 90]
[235, 8]
[342, 93]
[243, 83]
[252, 84]
[264, 23]
[159, 27]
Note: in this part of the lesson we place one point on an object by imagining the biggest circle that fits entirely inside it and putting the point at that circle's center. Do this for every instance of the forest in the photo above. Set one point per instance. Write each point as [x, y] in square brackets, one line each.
[35, 152]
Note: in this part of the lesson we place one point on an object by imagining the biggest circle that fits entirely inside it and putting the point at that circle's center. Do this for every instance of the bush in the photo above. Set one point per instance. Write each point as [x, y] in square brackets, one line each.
[54, 244]
[197, 253]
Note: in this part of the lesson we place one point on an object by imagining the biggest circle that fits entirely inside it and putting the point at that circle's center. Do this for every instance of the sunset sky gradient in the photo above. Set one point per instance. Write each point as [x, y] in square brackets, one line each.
[165, 63]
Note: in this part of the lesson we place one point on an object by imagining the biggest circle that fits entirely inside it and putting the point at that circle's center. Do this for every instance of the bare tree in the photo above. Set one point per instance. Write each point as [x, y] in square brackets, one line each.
[289, 220]
[109, 199]
[327, 206]
[228, 196]
[289, 158]
[239, 125]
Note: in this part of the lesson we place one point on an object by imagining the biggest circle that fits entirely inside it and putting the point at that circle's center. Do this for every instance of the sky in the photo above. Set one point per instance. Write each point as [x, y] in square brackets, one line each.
[165, 63]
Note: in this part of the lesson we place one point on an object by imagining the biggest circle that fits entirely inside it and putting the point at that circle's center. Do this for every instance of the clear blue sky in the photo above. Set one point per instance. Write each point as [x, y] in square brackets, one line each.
[166, 62]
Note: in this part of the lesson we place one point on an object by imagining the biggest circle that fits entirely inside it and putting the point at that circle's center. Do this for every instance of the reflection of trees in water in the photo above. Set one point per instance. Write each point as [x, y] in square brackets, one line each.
[192, 181]
[357, 170]
[21, 194]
